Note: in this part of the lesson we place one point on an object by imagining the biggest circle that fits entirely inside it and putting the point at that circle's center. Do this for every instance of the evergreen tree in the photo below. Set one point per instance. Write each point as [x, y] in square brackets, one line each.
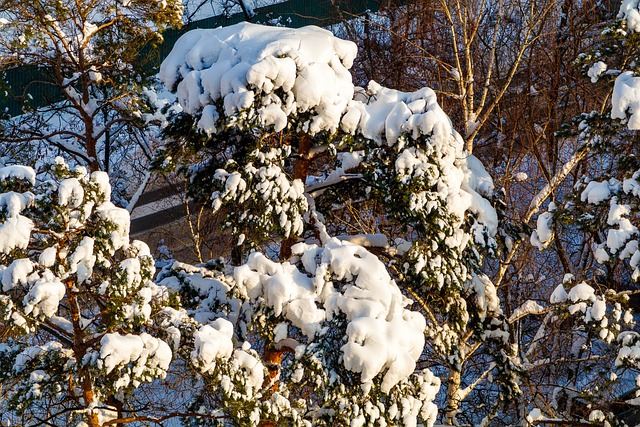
[275, 134]
[78, 301]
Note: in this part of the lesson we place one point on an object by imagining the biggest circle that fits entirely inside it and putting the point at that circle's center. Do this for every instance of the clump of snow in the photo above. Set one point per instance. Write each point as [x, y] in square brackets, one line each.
[388, 113]
[139, 357]
[559, 295]
[34, 352]
[590, 308]
[18, 172]
[582, 292]
[16, 229]
[629, 352]
[535, 415]
[285, 72]
[527, 307]
[377, 240]
[629, 12]
[626, 91]
[596, 70]
[383, 337]
[521, 176]
[17, 273]
[542, 236]
[44, 295]
[212, 342]
[119, 217]
[71, 193]
[597, 192]
[252, 368]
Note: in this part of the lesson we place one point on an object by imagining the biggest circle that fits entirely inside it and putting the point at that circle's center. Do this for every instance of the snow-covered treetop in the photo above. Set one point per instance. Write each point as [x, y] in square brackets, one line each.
[290, 74]
[281, 72]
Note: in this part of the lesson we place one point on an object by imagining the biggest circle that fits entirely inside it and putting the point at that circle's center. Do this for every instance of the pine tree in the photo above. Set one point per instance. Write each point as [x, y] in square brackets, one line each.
[274, 133]
[78, 304]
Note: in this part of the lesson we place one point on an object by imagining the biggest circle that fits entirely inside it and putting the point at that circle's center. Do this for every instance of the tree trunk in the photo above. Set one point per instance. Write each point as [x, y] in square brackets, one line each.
[300, 171]
[453, 397]
[272, 359]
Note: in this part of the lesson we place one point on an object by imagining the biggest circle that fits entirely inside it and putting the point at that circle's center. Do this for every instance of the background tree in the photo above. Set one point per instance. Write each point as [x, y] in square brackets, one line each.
[90, 53]
[510, 62]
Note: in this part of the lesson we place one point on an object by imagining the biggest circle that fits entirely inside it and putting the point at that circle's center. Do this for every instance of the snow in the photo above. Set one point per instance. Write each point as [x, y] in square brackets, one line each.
[252, 368]
[535, 415]
[542, 236]
[629, 352]
[119, 217]
[629, 12]
[280, 332]
[626, 93]
[527, 307]
[598, 310]
[82, 260]
[212, 342]
[596, 192]
[596, 70]
[208, 120]
[143, 353]
[559, 295]
[582, 292]
[246, 63]
[32, 353]
[44, 296]
[521, 176]
[15, 233]
[48, 257]
[16, 274]
[18, 172]
[367, 240]
[388, 113]
[383, 337]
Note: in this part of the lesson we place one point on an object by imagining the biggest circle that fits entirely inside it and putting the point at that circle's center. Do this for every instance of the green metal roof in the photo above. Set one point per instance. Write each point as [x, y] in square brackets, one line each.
[32, 80]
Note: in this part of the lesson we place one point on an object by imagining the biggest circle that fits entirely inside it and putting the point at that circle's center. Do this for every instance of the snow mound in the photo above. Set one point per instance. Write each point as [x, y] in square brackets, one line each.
[382, 112]
[278, 71]
[382, 335]
[137, 357]
[626, 95]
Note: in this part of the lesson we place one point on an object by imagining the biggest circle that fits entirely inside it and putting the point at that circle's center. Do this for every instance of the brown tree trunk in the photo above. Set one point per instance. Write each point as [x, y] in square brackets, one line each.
[79, 350]
[272, 359]
[300, 171]
[453, 397]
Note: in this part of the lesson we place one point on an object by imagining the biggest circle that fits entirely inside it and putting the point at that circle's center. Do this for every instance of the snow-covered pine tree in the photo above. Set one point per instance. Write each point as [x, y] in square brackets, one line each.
[89, 56]
[273, 127]
[78, 305]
